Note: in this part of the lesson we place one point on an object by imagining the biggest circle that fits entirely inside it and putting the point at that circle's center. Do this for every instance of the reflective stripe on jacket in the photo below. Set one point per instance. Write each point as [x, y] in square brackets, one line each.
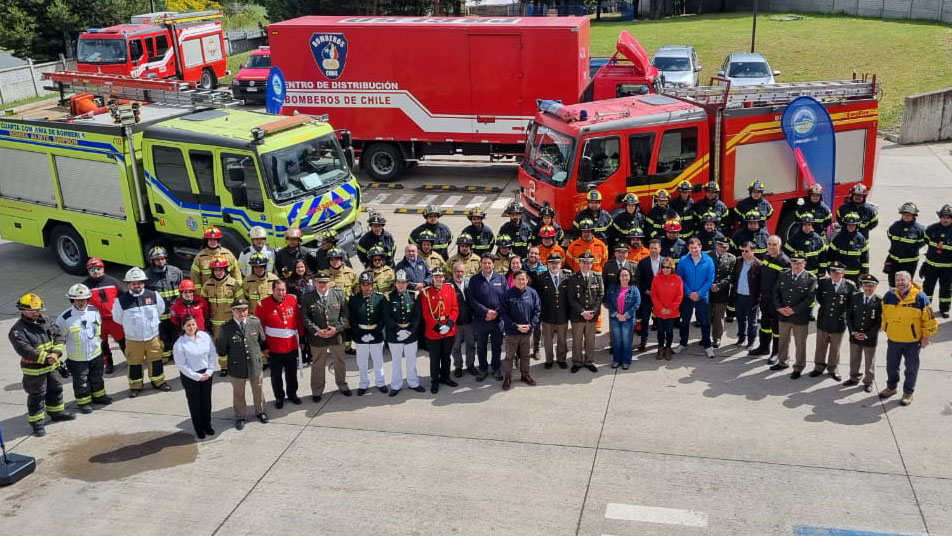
[80, 331]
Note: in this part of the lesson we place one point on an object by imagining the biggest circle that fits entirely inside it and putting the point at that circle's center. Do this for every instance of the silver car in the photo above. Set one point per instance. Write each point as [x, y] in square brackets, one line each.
[678, 65]
[747, 69]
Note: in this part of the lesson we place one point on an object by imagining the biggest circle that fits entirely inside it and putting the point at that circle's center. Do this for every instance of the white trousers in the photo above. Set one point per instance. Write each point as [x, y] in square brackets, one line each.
[376, 352]
[397, 352]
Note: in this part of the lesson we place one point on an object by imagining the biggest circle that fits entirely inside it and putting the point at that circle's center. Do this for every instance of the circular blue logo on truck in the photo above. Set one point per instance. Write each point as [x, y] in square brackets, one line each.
[330, 53]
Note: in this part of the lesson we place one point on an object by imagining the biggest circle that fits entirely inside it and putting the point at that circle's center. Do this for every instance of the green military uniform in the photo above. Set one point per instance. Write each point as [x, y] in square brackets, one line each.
[798, 293]
[242, 348]
[321, 312]
[831, 322]
[585, 293]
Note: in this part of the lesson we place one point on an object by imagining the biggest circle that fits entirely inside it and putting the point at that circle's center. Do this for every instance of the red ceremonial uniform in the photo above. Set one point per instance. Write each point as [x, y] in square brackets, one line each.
[282, 323]
[439, 305]
[198, 308]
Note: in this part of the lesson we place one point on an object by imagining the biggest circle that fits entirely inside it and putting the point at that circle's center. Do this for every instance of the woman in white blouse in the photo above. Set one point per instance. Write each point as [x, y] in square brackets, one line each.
[197, 360]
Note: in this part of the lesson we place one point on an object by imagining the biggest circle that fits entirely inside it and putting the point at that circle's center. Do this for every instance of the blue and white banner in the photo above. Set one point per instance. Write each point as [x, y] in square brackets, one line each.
[275, 91]
[809, 131]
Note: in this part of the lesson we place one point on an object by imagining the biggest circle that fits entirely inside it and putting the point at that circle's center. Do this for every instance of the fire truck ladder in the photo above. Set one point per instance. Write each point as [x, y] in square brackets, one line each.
[174, 92]
[169, 17]
[777, 93]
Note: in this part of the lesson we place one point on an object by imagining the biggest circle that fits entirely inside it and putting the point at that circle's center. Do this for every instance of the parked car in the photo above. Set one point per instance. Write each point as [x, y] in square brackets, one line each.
[678, 65]
[249, 83]
[747, 69]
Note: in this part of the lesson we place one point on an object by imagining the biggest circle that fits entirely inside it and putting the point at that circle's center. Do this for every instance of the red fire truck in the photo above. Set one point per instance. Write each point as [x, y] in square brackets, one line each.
[408, 88]
[729, 135]
[186, 46]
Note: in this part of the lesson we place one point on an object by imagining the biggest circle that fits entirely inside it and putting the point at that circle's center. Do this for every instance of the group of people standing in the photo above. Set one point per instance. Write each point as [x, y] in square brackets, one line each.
[524, 289]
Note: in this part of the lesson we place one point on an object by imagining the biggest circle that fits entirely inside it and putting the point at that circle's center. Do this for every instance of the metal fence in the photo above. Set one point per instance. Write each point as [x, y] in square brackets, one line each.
[26, 81]
[938, 10]
[243, 41]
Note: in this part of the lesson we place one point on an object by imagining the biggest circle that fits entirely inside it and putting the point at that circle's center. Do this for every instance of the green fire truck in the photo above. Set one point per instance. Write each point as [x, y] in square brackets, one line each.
[104, 184]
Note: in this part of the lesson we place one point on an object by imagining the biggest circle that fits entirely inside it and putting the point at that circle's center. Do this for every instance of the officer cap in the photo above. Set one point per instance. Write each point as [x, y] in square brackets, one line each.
[438, 270]
[798, 258]
[722, 240]
[366, 277]
[323, 276]
[401, 276]
[837, 266]
[621, 247]
[240, 303]
[554, 257]
[587, 256]
[868, 279]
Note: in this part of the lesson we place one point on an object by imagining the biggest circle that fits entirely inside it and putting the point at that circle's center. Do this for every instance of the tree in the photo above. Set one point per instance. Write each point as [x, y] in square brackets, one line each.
[42, 30]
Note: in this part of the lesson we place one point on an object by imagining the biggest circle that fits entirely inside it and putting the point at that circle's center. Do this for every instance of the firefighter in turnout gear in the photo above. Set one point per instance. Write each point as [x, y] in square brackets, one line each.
[34, 339]
[377, 237]
[712, 203]
[80, 326]
[442, 236]
[221, 291]
[849, 247]
[586, 242]
[328, 242]
[189, 303]
[938, 263]
[601, 219]
[200, 272]
[259, 237]
[683, 204]
[139, 310]
[629, 218]
[384, 276]
[164, 280]
[548, 243]
[547, 217]
[636, 248]
[659, 215]
[481, 236]
[426, 239]
[856, 203]
[286, 257]
[260, 282]
[813, 205]
[465, 255]
[672, 245]
[708, 231]
[754, 231]
[754, 201]
[503, 254]
[906, 240]
[104, 290]
[518, 230]
[342, 276]
[806, 243]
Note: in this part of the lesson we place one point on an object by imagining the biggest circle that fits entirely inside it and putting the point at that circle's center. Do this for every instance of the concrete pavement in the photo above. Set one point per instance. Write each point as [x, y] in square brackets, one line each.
[690, 446]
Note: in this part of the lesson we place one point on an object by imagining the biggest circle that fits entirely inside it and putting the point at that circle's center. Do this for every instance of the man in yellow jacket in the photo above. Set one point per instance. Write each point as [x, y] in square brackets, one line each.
[909, 323]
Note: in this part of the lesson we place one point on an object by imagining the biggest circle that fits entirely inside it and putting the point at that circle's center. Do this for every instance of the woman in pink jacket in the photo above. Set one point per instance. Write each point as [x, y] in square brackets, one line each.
[667, 290]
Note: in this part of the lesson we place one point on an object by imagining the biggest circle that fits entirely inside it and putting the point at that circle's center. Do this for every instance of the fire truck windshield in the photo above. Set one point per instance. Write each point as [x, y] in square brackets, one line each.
[304, 168]
[549, 155]
[101, 51]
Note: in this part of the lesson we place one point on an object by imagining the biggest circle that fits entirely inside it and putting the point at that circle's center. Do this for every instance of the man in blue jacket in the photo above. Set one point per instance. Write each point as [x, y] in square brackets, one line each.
[697, 274]
[484, 295]
[520, 310]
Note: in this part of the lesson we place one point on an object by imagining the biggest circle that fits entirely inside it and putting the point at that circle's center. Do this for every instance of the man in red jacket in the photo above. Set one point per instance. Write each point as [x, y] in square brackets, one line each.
[104, 290]
[282, 324]
[440, 311]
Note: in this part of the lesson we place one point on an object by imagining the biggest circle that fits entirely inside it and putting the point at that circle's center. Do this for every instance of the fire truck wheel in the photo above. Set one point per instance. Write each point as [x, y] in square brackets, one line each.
[208, 81]
[786, 227]
[383, 162]
[69, 248]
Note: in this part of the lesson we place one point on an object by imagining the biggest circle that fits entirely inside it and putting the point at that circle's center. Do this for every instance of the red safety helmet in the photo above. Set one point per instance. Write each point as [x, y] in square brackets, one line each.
[547, 231]
[218, 262]
[95, 262]
[186, 284]
[213, 233]
[673, 224]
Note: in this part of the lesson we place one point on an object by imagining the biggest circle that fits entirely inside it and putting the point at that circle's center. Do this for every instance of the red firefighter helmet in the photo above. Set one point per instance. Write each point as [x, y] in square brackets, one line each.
[213, 233]
[218, 262]
[673, 224]
[186, 284]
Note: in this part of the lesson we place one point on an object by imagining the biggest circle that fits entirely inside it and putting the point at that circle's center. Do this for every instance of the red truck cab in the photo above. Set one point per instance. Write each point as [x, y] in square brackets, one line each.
[627, 73]
[249, 84]
[185, 46]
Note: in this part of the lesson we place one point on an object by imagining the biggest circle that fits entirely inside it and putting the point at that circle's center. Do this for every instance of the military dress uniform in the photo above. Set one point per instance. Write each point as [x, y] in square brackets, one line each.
[796, 291]
[242, 346]
[402, 318]
[553, 293]
[906, 240]
[585, 293]
[165, 283]
[831, 323]
[33, 341]
[322, 312]
[221, 293]
[864, 315]
[770, 271]
[201, 272]
[366, 314]
[724, 265]
[937, 266]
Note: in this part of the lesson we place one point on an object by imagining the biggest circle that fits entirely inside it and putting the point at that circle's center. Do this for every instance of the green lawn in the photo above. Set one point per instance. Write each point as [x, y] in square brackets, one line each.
[234, 65]
[908, 56]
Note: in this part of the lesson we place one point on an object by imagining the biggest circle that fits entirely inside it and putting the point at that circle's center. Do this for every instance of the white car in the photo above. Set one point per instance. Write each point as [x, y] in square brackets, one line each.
[747, 69]
[678, 65]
